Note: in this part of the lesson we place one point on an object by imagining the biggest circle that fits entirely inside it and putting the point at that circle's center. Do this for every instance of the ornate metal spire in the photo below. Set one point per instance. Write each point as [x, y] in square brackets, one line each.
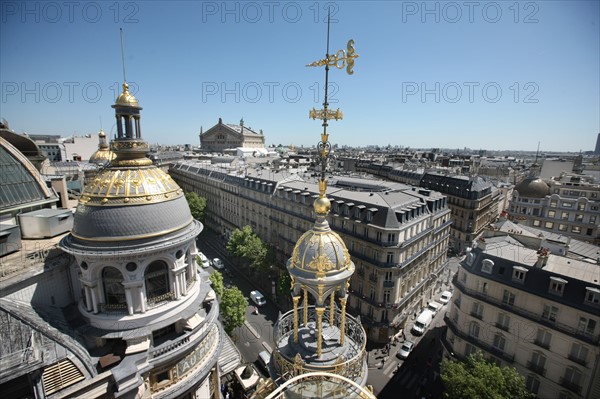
[340, 60]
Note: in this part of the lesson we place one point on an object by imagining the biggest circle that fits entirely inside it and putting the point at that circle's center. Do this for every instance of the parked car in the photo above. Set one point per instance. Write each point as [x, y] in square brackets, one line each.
[218, 264]
[257, 298]
[264, 358]
[434, 307]
[445, 297]
[204, 262]
[405, 349]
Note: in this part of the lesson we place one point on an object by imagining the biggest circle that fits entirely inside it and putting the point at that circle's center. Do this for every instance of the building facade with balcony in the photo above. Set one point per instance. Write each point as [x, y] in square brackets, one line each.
[473, 201]
[528, 307]
[397, 235]
[567, 204]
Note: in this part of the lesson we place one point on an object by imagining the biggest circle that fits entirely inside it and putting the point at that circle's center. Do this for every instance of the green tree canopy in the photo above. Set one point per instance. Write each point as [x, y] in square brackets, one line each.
[244, 243]
[477, 378]
[233, 309]
[197, 205]
[216, 280]
[284, 283]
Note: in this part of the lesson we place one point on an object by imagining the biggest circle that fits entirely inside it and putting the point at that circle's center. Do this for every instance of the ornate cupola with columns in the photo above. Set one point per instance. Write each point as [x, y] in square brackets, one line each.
[103, 155]
[319, 349]
[143, 300]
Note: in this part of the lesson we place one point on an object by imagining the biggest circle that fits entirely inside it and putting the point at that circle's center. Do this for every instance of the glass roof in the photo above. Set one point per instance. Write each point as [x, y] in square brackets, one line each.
[17, 183]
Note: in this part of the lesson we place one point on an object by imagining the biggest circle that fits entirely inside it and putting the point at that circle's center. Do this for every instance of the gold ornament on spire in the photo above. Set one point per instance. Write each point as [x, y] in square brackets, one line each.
[339, 60]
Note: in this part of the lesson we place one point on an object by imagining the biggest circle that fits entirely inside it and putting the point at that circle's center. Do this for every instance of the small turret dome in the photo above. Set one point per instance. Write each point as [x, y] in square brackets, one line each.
[320, 253]
[533, 187]
[126, 98]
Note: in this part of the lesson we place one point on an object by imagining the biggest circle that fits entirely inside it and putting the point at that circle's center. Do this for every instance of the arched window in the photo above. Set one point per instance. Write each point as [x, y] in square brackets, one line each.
[114, 292]
[157, 279]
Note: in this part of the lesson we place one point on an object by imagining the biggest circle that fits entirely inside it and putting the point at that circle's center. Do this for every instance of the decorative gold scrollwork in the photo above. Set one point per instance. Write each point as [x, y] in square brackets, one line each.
[340, 59]
[326, 114]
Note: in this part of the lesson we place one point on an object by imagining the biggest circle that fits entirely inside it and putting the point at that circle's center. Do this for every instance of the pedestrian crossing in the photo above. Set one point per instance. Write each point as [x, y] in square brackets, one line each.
[390, 368]
[406, 376]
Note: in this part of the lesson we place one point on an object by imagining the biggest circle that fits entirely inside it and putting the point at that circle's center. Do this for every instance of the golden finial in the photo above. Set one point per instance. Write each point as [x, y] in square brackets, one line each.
[340, 60]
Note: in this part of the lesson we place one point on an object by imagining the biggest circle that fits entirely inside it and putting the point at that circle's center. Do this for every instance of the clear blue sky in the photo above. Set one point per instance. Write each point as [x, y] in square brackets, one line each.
[493, 75]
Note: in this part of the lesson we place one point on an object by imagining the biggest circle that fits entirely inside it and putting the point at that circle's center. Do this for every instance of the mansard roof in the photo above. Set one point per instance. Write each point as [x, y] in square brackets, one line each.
[507, 254]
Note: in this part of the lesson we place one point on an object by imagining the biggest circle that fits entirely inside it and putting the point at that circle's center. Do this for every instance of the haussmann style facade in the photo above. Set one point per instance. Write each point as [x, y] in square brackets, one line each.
[397, 235]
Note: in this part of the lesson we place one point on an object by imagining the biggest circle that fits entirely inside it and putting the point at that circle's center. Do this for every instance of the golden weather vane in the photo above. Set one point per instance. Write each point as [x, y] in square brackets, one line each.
[339, 60]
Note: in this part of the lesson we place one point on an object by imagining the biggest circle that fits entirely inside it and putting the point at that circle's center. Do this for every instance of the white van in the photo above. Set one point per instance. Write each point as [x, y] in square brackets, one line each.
[422, 322]
[257, 298]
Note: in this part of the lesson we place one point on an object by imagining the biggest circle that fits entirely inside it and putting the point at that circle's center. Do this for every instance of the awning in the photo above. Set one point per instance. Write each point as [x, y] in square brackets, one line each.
[230, 357]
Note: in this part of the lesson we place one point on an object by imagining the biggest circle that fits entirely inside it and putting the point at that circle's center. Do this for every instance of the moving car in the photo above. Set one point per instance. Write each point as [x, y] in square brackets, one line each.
[445, 297]
[405, 349]
[257, 298]
[218, 263]
[422, 322]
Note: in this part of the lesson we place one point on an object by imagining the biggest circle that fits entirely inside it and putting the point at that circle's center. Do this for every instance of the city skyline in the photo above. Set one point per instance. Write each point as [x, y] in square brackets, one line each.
[482, 75]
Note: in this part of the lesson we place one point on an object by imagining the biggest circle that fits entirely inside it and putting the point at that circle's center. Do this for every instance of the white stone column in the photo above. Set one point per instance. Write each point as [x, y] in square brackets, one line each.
[88, 298]
[142, 296]
[183, 281]
[94, 299]
[176, 286]
[129, 300]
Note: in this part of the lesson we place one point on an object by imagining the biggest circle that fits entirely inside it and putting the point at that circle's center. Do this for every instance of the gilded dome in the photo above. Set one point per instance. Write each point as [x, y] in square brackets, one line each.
[533, 187]
[130, 186]
[130, 204]
[320, 252]
[102, 155]
[126, 98]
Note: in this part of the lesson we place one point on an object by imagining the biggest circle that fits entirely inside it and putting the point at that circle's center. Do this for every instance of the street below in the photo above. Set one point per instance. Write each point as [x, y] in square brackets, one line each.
[415, 377]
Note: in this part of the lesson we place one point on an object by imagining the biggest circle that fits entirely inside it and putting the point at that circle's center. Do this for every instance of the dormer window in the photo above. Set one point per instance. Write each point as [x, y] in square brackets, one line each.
[487, 266]
[470, 258]
[369, 216]
[557, 285]
[592, 296]
[357, 213]
[519, 273]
